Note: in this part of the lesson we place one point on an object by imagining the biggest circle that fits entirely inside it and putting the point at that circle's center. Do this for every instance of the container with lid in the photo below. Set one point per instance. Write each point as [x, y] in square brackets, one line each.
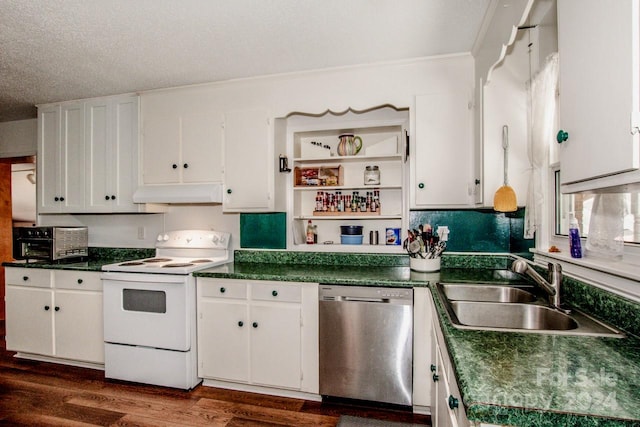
[372, 175]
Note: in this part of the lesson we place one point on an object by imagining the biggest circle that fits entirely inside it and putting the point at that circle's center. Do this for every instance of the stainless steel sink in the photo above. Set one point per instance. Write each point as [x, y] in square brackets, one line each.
[511, 316]
[469, 306]
[486, 293]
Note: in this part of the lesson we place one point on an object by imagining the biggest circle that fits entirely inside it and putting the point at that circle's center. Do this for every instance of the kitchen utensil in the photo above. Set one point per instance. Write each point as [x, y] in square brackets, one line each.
[349, 144]
[505, 198]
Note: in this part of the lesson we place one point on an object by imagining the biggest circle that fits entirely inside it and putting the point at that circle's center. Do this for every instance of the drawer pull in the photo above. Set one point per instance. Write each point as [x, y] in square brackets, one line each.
[80, 281]
[223, 290]
[274, 293]
[453, 402]
[241, 323]
[25, 278]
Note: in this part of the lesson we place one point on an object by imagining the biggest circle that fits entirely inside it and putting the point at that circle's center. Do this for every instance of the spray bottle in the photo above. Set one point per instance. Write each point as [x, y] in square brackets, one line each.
[575, 246]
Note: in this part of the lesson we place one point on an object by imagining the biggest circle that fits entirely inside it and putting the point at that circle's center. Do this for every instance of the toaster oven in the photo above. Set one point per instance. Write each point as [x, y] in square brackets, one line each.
[50, 243]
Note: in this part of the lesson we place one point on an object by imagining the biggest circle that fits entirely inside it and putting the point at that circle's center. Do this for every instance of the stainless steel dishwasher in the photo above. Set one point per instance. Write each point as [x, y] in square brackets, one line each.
[366, 343]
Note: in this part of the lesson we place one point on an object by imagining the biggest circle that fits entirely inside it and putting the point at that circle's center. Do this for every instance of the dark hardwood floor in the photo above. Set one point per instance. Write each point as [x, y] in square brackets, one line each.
[46, 394]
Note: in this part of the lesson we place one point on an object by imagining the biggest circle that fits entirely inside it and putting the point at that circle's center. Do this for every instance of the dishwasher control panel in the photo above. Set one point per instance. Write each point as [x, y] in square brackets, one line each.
[365, 293]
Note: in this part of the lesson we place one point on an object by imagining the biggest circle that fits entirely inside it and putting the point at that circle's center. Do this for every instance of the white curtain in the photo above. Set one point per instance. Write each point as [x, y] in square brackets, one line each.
[542, 114]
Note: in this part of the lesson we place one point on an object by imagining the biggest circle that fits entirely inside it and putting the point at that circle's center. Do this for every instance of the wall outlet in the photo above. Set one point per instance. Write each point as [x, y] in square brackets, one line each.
[141, 233]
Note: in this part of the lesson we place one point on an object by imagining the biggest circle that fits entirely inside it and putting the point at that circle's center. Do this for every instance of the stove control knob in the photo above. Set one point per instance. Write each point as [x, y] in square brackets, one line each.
[188, 239]
[159, 239]
[165, 237]
[215, 238]
[222, 239]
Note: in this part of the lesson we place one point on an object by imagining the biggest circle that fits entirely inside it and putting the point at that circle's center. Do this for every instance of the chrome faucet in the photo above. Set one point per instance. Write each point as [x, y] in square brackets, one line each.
[551, 287]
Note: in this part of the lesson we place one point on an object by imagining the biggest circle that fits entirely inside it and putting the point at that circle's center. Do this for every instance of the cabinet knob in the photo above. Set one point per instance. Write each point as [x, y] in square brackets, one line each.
[186, 165]
[274, 293]
[57, 308]
[25, 278]
[562, 136]
[46, 308]
[228, 191]
[421, 185]
[477, 181]
[80, 281]
[453, 402]
[106, 197]
[61, 199]
[241, 323]
[174, 166]
[56, 199]
[254, 324]
[433, 368]
[436, 377]
[223, 290]
[113, 197]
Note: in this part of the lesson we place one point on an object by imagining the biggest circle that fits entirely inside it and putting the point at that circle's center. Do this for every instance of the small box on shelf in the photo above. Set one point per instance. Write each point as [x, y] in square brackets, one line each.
[318, 177]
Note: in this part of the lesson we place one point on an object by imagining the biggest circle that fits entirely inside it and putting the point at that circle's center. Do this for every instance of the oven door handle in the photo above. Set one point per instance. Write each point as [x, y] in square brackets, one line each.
[143, 277]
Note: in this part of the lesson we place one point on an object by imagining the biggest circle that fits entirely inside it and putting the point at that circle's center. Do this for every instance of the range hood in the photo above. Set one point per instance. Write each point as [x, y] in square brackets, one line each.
[179, 193]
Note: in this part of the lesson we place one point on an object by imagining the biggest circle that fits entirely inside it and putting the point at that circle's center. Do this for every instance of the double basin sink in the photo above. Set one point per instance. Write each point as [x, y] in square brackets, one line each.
[521, 308]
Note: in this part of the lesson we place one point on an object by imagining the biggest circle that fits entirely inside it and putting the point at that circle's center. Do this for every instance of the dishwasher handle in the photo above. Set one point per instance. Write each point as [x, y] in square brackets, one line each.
[366, 299]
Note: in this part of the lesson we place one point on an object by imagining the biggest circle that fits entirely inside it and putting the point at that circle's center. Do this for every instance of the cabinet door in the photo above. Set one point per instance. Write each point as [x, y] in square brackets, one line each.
[161, 148]
[72, 154]
[223, 340]
[276, 345]
[124, 153]
[443, 156]
[248, 161]
[48, 163]
[99, 161]
[29, 320]
[112, 154]
[79, 326]
[598, 39]
[201, 135]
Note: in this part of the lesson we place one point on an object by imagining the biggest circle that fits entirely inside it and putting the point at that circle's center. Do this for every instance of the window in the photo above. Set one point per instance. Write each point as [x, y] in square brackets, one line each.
[582, 203]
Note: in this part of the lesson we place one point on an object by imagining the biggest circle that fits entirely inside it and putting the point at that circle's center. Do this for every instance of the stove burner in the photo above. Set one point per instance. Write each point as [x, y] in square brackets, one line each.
[177, 264]
[127, 264]
[200, 261]
[150, 260]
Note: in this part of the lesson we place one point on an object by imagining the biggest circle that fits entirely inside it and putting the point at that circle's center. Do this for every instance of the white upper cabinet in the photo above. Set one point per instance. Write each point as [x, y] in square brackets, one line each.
[598, 43]
[181, 141]
[112, 154]
[60, 162]
[88, 156]
[248, 161]
[443, 173]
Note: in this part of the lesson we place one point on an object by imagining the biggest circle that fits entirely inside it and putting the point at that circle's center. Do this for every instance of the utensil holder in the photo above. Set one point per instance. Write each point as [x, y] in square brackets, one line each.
[424, 265]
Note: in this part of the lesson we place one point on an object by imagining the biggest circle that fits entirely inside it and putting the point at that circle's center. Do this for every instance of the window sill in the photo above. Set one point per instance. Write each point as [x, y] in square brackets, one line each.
[621, 277]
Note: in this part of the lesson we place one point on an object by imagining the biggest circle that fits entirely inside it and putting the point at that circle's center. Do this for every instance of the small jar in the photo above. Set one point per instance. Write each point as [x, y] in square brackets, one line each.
[372, 175]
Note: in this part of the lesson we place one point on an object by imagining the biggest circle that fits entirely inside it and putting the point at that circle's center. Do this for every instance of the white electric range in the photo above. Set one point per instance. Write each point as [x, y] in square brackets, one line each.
[150, 309]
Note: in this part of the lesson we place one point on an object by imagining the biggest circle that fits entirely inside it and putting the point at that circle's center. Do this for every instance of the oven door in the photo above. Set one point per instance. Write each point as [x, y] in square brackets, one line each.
[150, 310]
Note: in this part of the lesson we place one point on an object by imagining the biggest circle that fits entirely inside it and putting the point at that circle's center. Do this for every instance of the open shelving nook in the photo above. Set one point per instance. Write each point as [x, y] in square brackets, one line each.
[383, 131]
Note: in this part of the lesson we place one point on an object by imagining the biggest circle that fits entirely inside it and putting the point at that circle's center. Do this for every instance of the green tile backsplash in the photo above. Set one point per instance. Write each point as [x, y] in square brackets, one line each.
[263, 230]
[478, 230]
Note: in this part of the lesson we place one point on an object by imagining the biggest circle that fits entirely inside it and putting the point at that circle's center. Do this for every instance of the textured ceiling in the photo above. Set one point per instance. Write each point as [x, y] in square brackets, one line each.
[55, 50]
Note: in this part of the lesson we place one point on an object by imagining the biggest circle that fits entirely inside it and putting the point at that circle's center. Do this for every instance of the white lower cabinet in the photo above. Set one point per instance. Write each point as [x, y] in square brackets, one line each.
[258, 333]
[56, 313]
[446, 402]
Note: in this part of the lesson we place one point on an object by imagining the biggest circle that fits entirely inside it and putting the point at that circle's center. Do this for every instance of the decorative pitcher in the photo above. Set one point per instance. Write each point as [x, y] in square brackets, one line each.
[349, 145]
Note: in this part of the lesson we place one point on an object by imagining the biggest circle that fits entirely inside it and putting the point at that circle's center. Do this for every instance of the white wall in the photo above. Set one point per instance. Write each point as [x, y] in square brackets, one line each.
[506, 103]
[18, 138]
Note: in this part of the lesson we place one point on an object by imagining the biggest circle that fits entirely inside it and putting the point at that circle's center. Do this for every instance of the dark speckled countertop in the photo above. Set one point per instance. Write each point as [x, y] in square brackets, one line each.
[519, 379]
